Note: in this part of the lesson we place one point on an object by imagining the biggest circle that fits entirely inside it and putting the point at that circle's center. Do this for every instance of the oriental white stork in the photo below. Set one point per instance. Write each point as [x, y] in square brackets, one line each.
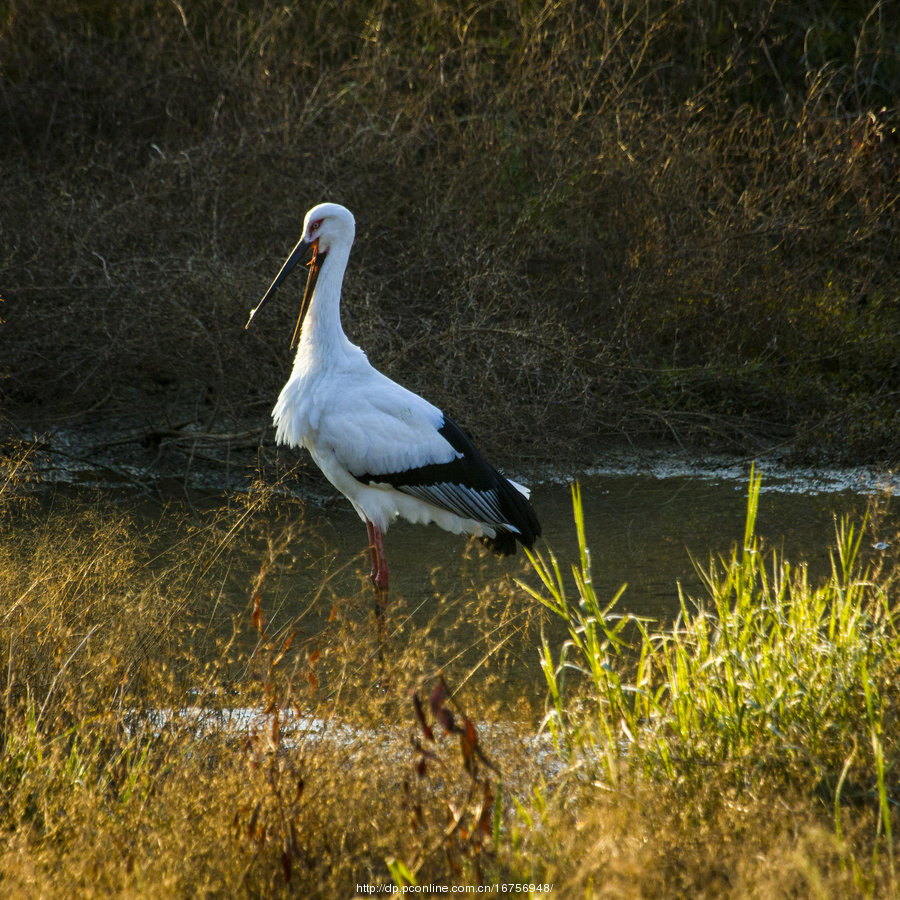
[389, 451]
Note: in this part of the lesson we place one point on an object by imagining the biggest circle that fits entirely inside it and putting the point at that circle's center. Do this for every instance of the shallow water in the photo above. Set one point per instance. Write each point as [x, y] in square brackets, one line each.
[645, 524]
[644, 530]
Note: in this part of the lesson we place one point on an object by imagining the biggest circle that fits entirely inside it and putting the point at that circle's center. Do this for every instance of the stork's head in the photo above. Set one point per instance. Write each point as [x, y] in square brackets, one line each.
[326, 226]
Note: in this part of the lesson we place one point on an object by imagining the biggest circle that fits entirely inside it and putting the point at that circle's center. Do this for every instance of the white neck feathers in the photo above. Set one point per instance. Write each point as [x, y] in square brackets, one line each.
[322, 337]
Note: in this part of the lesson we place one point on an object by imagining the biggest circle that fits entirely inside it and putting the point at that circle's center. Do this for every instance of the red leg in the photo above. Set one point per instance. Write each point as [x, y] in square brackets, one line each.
[379, 578]
[379, 574]
[370, 528]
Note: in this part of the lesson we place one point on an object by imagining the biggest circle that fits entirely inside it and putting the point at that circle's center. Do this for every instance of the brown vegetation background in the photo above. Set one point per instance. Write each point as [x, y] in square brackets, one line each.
[578, 223]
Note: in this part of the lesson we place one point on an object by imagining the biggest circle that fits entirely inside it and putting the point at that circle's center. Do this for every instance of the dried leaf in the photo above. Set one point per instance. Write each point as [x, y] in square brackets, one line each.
[468, 743]
[257, 618]
[446, 719]
[471, 736]
[438, 696]
[285, 646]
[485, 820]
[420, 715]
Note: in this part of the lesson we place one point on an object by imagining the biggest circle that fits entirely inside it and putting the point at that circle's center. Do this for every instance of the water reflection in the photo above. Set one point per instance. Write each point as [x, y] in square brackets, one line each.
[456, 606]
[641, 530]
[463, 606]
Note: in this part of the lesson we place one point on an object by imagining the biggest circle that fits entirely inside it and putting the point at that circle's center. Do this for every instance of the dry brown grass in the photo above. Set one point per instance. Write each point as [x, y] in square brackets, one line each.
[184, 714]
[642, 220]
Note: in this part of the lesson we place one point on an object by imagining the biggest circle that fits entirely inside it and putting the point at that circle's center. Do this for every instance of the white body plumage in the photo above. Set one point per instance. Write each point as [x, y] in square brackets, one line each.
[388, 450]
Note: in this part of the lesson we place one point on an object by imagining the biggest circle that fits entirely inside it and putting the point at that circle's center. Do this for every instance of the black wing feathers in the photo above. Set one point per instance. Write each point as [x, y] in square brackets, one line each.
[472, 488]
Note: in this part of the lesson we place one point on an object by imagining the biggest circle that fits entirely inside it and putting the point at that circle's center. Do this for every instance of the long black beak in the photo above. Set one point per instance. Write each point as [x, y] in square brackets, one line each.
[297, 254]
